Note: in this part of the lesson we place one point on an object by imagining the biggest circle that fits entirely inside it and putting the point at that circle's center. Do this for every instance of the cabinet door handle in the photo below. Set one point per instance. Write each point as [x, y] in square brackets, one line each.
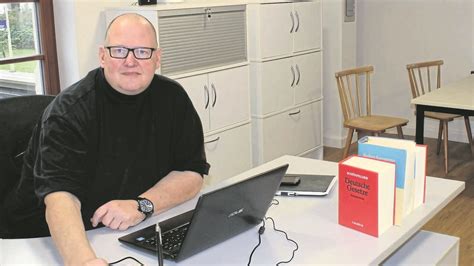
[206, 89]
[297, 20]
[294, 76]
[295, 113]
[299, 74]
[211, 141]
[215, 94]
[292, 22]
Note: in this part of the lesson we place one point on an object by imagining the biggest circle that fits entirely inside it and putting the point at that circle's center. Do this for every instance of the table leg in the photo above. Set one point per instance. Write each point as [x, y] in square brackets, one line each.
[420, 123]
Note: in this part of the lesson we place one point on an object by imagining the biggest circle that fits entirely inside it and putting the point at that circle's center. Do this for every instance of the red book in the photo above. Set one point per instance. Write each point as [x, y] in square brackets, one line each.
[366, 194]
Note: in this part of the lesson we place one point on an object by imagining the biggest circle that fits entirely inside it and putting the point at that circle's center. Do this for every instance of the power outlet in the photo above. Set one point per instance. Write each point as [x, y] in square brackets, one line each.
[146, 2]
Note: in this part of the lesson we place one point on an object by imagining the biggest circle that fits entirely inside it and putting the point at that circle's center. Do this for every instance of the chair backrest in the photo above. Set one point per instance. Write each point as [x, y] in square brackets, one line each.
[424, 77]
[18, 116]
[354, 95]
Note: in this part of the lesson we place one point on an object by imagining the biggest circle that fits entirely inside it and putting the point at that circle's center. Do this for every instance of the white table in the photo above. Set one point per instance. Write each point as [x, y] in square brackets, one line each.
[455, 98]
[311, 221]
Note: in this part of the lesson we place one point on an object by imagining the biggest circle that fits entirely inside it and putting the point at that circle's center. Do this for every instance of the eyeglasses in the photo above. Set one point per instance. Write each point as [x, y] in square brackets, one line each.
[140, 53]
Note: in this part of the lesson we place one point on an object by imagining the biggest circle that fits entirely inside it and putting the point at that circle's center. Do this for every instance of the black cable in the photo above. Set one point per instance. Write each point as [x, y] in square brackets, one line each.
[261, 229]
[287, 238]
[126, 258]
[275, 202]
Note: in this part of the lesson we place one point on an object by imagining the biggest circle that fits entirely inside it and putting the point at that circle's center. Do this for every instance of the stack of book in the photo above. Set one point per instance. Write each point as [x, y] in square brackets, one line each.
[381, 185]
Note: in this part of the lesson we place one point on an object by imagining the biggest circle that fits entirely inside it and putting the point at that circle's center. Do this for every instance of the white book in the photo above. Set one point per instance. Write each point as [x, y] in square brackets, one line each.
[402, 152]
[420, 175]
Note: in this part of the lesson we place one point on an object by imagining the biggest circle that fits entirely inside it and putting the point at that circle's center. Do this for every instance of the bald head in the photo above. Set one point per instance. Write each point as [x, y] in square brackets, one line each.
[129, 20]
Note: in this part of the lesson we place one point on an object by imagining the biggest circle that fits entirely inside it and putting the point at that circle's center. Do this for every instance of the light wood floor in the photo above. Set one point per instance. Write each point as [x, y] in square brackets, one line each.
[457, 218]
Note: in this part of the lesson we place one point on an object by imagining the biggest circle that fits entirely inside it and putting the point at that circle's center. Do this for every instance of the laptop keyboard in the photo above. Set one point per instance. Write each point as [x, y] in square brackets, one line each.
[172, 239]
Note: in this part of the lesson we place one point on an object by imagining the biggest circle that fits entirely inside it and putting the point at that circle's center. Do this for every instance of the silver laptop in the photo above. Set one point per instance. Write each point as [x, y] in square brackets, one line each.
[219, 215]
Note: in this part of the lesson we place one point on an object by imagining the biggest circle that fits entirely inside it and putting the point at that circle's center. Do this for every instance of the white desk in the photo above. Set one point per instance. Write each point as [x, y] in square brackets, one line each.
[456, 98]
[311, 221]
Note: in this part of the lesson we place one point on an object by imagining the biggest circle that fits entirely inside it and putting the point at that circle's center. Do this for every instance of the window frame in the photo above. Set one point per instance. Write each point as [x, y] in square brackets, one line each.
[48, 55]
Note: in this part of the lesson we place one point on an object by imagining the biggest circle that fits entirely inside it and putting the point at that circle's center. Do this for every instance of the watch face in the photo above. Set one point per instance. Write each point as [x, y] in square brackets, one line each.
[146, 206]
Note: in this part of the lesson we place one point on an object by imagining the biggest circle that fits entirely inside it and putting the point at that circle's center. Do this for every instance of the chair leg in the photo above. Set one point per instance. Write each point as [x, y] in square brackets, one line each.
[348, 142]
[469, 133]
[445, 129]
[400, 132]
[440, 135]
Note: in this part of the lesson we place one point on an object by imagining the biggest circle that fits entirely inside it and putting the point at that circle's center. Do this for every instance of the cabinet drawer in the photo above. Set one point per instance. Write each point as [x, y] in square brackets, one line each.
[200, 38]
[269, 30]
[221, 98]
[307, 34]
[228, 153]
[280, 84]
[292, 133]
[308, 77]
[272, 89]
[282, 29]
[229, 97]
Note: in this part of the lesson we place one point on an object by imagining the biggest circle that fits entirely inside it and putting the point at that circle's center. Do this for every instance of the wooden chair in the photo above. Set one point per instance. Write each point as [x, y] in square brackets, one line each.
[425, 77]
[357, 113]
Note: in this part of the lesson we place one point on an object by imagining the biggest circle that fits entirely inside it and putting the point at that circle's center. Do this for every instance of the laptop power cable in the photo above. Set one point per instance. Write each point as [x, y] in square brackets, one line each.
[127, 258]
[261, 230]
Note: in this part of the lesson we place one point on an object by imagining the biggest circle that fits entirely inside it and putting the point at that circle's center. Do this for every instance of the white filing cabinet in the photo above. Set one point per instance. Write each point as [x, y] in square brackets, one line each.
[285, 79]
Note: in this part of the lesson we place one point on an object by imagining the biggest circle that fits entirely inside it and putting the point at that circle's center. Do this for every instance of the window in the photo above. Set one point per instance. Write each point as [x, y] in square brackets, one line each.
[28, 59]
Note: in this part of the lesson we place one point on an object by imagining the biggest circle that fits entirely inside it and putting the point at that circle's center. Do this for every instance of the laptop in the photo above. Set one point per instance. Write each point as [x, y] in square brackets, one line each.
[219, 215]
[306, 185]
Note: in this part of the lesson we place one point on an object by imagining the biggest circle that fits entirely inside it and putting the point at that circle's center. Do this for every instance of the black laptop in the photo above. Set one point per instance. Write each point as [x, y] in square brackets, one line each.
[218, 216]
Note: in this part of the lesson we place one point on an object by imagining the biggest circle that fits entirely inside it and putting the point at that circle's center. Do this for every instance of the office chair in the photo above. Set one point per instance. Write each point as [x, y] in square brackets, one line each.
[18, 116]
[357, 115]
[425, 77]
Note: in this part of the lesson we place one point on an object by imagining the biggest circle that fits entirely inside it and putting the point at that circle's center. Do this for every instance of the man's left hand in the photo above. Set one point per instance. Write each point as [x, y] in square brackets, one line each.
[118, 214]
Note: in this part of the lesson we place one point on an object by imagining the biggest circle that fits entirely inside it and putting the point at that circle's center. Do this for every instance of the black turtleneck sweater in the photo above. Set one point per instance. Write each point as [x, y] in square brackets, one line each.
[101, 145]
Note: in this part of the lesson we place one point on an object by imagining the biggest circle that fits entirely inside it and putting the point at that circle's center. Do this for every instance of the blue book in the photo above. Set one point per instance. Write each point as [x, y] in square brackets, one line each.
[402, 153]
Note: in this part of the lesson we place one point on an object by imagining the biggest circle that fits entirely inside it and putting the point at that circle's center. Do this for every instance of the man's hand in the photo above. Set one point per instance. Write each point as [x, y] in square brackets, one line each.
[118, 214]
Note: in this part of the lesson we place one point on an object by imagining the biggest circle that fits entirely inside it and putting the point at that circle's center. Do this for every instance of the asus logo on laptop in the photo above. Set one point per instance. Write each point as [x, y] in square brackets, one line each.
[235, 213]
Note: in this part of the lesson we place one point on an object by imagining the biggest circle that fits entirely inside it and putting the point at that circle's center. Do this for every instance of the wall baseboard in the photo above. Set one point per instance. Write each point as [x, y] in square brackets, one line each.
[457, 134]
[334, 141]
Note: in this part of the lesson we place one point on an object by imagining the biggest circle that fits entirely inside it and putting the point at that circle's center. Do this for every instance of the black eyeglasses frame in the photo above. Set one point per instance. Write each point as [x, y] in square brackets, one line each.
[128, 51]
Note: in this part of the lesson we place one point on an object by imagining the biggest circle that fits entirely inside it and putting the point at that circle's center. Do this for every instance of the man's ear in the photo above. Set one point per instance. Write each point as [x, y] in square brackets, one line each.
[102, 55]
[158, 58]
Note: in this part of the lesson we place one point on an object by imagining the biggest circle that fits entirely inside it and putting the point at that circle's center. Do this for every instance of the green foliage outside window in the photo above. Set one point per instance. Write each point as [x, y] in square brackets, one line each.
[20, 20]
[21, 29]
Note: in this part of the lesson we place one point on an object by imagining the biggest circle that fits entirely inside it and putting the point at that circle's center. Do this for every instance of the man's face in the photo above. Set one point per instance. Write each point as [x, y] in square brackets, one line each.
[130, 75]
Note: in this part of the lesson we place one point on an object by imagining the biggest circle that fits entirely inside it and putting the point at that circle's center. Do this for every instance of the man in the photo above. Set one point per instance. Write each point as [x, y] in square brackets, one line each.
[112, 149]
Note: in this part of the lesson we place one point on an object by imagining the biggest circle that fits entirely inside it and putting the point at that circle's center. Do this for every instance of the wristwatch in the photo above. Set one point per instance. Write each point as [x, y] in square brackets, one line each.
[145, 206]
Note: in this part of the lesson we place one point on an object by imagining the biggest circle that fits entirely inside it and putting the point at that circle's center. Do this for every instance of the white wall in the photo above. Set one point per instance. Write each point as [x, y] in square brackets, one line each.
[393, 33]
[80, 29]
[339, 52]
